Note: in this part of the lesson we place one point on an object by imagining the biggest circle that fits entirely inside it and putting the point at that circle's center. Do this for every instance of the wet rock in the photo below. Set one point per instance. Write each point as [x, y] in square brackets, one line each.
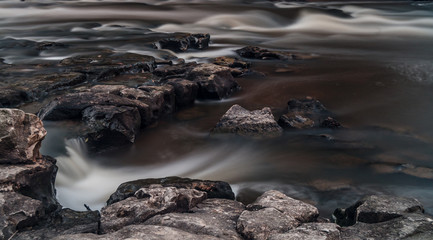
[238, 67]
[307, 113]
[214, 189]
[307, 231]
[214, 81]
[377, 208]
[257, 124]
[185, 91]
[175, 71]
[214, 217]
[112, 125]
[21, 135]
[13, 97]
[163, 97]
[409, 226]
[18, 212]
[183, 42]
[148, 232]
[263, 54]
[274, 212]
[146, 203]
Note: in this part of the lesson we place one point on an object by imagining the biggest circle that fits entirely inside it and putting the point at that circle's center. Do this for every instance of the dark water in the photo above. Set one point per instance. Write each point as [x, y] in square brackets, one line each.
[372, 66]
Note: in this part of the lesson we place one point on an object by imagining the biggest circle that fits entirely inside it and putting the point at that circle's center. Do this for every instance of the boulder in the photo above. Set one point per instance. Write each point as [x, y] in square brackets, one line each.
[308, 231]
[214, 189]
[256, 124]
[262, 54]
[163, 98]
[238, 67]
[146, 203]
[214, 217]
[377, 208]
[185, 91]
[21, 135]
[181, 42]
[307, 113]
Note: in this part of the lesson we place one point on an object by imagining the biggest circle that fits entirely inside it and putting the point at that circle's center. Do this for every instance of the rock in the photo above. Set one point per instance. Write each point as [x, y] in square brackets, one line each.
[307, 113]
[238, 67]
[257, 124]
[145, 232]
[185, 91]
[214, 217]
[377, 208]
[274, 212]
[18, 212]
[21, 135]
[112, 125]
[180, 70]
[214, 81]
[163, 99]
[146, 203]
[214, 189]
[182, 42]
[409, 226]
[263, 54]
[13, 97]
[307, 231]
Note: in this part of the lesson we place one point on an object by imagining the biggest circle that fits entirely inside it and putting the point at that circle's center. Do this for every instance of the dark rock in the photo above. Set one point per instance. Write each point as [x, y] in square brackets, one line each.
[185, 91]
[214, 189]
[146, 203]
[112, 125]
[21, 135]
[307, 113]
[18, 212]
[215, 217]
[273, 212]
[409, 226]
[263, 54]
[307, 231]
[214, 81]
[175, 71]
[183, 42]
[256, 124]
[13, 97]
[163, 97]
[49, 45]
[238, 67]
[377, 208]
[147, 232]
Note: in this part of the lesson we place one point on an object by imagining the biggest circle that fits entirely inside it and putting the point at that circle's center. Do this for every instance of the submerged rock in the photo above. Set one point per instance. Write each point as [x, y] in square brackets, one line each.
[307, 113]
[214, 189]
[257, 124]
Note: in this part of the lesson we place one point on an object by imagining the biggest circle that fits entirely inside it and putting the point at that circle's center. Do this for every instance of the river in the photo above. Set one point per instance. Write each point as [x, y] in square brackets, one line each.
[372, 65]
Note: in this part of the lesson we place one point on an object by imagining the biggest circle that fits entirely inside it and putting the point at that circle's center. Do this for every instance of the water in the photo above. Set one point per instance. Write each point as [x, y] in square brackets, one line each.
[372, 66]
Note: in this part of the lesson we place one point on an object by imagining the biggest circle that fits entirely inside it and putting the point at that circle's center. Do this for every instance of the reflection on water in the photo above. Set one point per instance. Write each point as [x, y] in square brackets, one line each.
[373, 70]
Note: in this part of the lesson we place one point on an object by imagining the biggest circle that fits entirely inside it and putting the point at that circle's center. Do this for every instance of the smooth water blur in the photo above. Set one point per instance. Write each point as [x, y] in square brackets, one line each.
[372, 66]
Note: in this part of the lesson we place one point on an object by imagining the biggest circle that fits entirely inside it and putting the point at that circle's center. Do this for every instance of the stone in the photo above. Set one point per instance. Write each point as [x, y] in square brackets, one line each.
[111, 125]
[185, 91]
[307, 113]
[377, 208]
[146, 203]
[256, 124]
[21, 135]
[163, 98]
[214, 217]
[307, 231]
[238, 67]
[182, 42]
[214, 81]
[214, 189]
[263, 54]
[408, 226]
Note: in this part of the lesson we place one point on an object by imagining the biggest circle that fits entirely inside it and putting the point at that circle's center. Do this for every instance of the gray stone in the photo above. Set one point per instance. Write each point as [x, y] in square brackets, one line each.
[146, 203]
[310, 231]
[184, 41]
[185, 91]
[215, 217]
[21, 135]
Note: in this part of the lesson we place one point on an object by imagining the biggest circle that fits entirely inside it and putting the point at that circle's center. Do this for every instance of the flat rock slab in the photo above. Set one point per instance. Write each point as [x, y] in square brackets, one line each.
[256, 124]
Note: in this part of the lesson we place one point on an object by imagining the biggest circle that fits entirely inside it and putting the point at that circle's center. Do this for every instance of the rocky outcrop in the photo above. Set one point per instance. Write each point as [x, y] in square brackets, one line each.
[185, 91]
[256, 124]
[307, 113]
[307, 231]
[213, 189]
[181, 42]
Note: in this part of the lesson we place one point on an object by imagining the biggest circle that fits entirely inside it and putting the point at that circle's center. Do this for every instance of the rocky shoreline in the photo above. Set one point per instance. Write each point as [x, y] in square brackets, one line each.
[177, 208]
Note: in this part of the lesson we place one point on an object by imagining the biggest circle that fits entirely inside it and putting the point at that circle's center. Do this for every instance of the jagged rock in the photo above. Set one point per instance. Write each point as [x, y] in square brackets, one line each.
[237, 66]
[185, 91]
[180, 70]
[146, 203]
[163, 98]
[307, 113]
[274, 212]
[18, 212]
[215, 217]
[257, 124]
[214, 81]
[408, 226]
[111, 125]
[21, 135]
[214, 189]
[145, 232]
[308, 231]
[183, 42]
[377, 208]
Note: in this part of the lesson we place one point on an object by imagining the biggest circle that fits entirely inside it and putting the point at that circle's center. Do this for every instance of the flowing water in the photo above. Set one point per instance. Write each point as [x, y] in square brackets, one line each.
[372, 66]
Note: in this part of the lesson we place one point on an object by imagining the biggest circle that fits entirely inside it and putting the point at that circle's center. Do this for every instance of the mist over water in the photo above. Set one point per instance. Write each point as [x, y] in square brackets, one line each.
[372, 67]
